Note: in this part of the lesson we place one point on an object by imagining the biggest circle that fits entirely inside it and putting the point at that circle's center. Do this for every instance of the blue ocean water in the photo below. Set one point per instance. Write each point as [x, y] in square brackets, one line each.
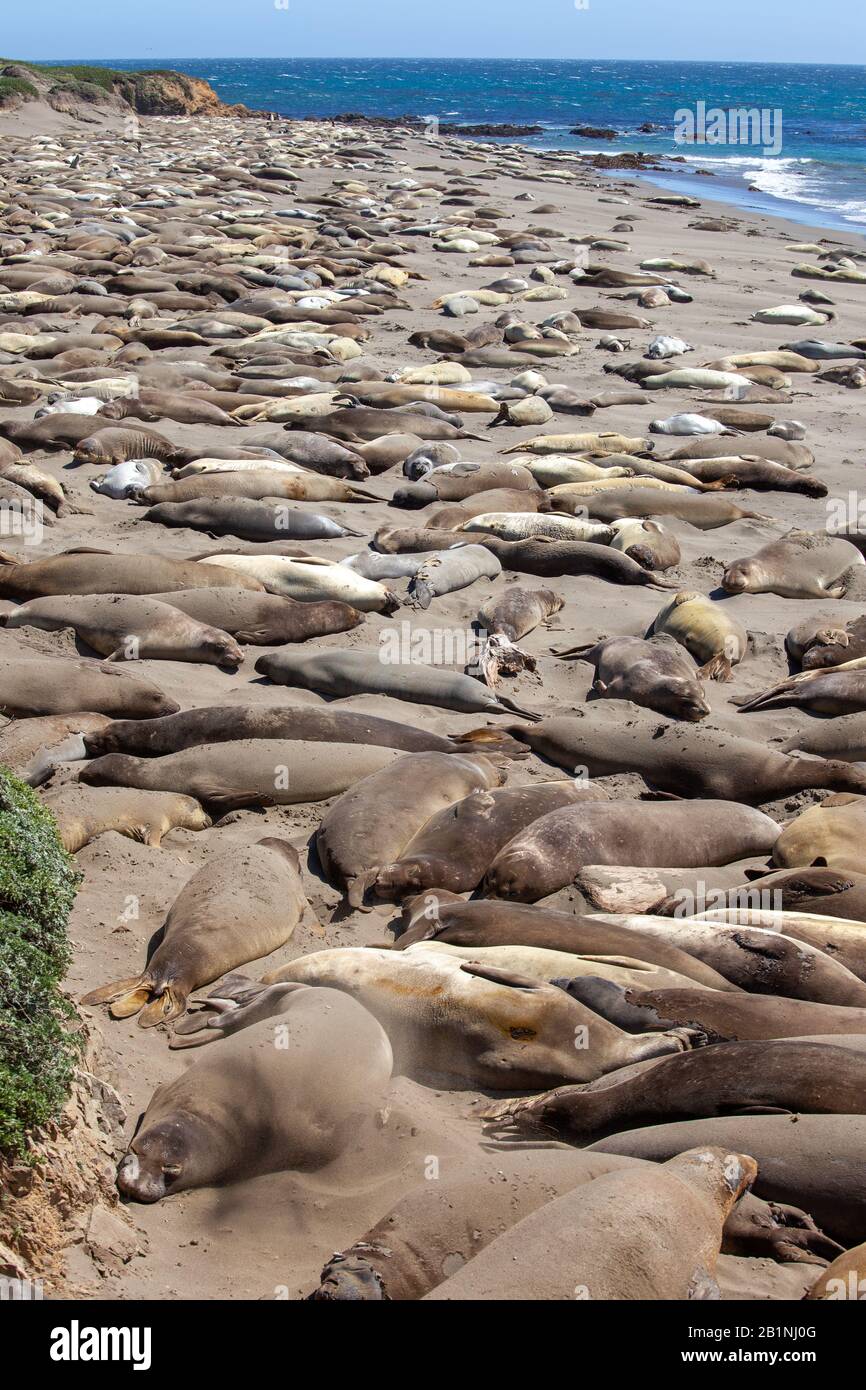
[817, 177]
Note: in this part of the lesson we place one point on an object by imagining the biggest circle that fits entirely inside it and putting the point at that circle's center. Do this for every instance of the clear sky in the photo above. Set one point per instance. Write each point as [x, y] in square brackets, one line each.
[832, 31]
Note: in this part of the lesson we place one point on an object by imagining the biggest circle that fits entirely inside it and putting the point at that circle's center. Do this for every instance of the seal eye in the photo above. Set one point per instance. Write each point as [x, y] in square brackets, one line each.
[171, 1170]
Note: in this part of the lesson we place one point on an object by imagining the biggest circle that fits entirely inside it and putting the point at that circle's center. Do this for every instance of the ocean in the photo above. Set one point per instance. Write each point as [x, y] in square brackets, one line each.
[817, 175]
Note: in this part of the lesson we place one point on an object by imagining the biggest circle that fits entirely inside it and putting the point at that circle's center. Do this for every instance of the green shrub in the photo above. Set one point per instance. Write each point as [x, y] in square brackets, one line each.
[37, 888]
[15, 87]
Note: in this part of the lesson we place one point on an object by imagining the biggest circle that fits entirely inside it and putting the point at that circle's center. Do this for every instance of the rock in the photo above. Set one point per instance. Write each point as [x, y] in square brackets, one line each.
[109, 1239]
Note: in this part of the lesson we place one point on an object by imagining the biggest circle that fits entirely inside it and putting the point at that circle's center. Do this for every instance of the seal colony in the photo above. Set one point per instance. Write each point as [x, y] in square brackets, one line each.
[423, 707]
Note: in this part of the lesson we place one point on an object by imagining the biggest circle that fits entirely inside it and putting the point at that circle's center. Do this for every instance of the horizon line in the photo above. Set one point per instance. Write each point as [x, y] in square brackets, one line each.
[435, 58]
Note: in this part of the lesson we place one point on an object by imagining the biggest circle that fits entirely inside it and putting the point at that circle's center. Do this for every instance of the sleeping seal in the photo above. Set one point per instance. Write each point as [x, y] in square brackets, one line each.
[800, 1077]
[241, 906]
[370, 825]
[802, 564]
[650, 1234]
[656, 673]
[548, 854]
[285, 1093]
[124, 627]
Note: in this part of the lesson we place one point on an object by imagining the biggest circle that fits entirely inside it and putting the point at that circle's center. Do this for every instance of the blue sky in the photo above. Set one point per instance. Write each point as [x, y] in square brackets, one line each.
[833, 31]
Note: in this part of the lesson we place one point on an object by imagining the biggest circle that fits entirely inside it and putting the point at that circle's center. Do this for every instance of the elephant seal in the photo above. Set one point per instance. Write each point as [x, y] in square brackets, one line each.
[246, 772]
[797, 1076]
[656, 673]
[708, 633]
[308, 724]
[455, 848]
[816, 891]
[758, 960]
[844, 1279]
[283, 1094]
[707, 511]
[792, 455]
[262, 619]
[843, 738]
[125, 479]
[268, 482]
[830, 834]
[737, 1017]
[306, 578]
[747, 470]
[339, 672]
[561, 967]
[107, 447]
[552, 558]
[98, 572]
[802, 564]
[548, 854]
[609, 736]
[474, 1025]
[439, 1226]
[371, 823]
[454, 482]
[647, 1235]
[450, 571]
[503, 620]
[33, 747]
[125, 627]
[811, 1161]
[839, 690]
[251, 518]
[441, 916]
[62, 685]
[821, 641]
[843, 942]
[83, 813]
[244, 904]
[646, 542]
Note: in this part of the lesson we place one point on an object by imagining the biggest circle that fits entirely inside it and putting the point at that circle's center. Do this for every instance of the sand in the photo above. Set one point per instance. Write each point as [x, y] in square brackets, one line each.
[269, 1238]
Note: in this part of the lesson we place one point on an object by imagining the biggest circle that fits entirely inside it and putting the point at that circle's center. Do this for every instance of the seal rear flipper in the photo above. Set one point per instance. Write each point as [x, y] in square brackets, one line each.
[356, 888]
[492, 739]
[718, 668]
[107, 994]
[167, 1005]
[509, 707]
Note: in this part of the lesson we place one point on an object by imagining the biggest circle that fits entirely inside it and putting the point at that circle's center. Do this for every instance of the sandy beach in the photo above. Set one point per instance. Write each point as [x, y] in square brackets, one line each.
[253, 201]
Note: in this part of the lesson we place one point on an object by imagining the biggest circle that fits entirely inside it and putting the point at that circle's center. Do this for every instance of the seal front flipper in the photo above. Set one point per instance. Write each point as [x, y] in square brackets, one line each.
[169, 1004]
[356, 888]
[501, 977]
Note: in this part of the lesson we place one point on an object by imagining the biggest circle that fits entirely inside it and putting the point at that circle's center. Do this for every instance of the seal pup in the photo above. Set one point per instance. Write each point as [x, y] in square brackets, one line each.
[282, 1094]
[502, 621]
[656, 673]
[371, 824]
[340, 672]
[647, 1235]
[82, 813]
[239, 907]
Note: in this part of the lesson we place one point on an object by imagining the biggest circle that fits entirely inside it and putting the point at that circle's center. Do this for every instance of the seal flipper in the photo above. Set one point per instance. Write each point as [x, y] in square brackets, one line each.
[501, 977]
[718, 668]
[508, 706]
[121, 993]
[167, 1005]
[356, 888]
